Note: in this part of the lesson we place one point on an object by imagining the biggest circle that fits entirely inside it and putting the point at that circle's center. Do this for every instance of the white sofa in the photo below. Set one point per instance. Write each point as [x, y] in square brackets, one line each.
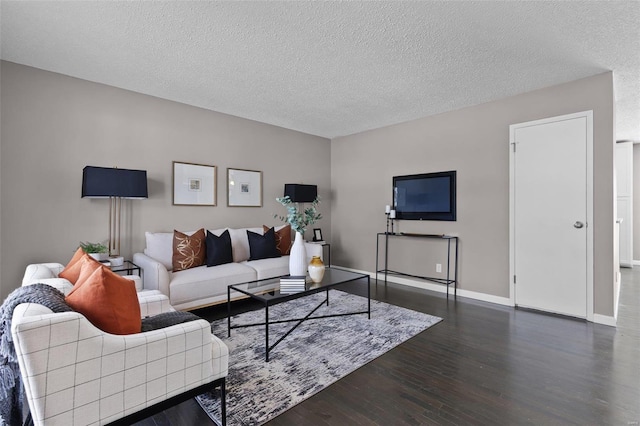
[203, 286]
[76, 374]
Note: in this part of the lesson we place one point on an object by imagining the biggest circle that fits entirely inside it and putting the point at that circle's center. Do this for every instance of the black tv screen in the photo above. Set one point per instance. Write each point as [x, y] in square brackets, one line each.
[427, 196]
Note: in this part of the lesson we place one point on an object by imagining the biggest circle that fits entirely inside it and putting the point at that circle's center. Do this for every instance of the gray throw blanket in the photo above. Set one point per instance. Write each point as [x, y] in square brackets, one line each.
[11, 388]
[167, 319]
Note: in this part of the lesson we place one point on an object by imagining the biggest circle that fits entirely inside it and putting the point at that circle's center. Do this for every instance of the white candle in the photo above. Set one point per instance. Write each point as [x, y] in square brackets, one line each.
[392, 214]
[387, 209]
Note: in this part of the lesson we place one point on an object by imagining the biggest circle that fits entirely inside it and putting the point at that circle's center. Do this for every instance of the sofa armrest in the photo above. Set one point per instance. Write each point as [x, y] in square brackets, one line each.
[108, 376]
[152, 302]
[36, 272]
[154, 274]
[60, 283]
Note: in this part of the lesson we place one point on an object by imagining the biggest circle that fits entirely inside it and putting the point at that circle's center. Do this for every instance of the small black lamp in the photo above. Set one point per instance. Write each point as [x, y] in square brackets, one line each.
[299, 193]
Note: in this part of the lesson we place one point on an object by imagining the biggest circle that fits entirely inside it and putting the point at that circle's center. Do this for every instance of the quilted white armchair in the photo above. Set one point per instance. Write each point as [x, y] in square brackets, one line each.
[76, 374]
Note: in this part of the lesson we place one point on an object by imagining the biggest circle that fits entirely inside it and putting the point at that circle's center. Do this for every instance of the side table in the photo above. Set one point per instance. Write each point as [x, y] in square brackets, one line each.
[128, 267]
[328, 246]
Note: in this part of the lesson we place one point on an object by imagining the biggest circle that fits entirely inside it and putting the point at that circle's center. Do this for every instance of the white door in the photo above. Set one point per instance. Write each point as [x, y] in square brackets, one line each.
[551, 214]
[624, 195]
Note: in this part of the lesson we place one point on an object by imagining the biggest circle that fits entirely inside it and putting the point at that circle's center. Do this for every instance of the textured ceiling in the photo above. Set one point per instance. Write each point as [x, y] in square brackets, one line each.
[332, 68]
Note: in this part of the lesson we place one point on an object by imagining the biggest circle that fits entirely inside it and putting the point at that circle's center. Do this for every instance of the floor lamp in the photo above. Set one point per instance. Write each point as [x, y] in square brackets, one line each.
[114, 184]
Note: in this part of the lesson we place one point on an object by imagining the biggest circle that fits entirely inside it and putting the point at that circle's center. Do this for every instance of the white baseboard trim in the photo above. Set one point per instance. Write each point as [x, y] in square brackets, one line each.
[505, 301]
[604, 320]
[440, 288]
[636, 262]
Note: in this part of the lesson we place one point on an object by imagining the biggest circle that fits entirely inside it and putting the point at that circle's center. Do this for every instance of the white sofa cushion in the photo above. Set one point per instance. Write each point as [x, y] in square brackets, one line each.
[202, 282]
[240, 242]
[268, 268]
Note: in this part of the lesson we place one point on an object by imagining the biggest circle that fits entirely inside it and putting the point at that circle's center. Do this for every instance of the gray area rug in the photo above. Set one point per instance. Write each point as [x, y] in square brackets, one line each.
[316, 354]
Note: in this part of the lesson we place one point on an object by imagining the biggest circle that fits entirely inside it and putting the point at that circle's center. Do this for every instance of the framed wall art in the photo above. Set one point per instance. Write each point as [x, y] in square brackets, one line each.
[194, 184]
[244, 188]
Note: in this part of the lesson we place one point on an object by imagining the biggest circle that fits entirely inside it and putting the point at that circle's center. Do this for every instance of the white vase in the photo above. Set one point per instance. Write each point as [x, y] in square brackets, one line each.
[298, 257]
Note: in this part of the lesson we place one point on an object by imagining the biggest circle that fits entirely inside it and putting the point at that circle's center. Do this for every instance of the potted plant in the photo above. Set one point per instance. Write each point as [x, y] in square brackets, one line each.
[96, 250]
[299, 220]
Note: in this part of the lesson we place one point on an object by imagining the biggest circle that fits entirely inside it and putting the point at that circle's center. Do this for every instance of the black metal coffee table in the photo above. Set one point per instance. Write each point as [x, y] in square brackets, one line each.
[256, 290]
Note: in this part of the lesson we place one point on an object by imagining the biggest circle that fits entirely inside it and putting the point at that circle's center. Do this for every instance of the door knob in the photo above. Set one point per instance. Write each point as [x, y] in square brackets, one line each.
[578, 224]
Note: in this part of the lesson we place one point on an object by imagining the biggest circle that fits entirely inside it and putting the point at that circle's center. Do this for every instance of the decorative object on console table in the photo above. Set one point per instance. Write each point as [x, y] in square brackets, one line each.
[194, 184]
[114, 184]
[244, 188]
[299, 219]
[317, 235]
[316, 269]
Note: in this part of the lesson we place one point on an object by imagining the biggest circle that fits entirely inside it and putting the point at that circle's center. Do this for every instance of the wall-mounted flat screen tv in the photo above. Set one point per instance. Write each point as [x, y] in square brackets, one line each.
[427, 196]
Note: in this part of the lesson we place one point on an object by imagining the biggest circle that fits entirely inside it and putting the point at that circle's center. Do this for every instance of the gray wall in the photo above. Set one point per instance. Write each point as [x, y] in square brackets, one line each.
[53, 125]
[475, 142]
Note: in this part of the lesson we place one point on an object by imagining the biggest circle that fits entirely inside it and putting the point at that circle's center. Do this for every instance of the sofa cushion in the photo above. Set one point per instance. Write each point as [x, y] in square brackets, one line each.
[240, 242]
[219, 249]
[107, 300]
[283, 238]
[270, 268]
[188, 250]
[262, 246]
[72, 271]
[160, 247]
[202, 282]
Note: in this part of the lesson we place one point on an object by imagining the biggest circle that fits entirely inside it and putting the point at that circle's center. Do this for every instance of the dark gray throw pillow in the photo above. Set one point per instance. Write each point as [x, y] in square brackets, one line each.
[262, 246]
[218, 248]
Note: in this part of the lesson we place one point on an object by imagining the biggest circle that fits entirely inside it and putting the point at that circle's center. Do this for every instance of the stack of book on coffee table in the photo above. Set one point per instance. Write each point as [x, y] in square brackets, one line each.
[292, 284]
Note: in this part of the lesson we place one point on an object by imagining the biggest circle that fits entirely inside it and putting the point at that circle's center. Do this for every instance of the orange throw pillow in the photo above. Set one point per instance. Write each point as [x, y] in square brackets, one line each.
[71, 272]
[188, 250]
[107, 300]
[283, 239]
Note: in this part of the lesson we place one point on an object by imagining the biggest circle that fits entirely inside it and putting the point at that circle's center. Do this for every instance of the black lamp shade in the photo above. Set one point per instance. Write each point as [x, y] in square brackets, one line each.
[99, 182]
[299, 193]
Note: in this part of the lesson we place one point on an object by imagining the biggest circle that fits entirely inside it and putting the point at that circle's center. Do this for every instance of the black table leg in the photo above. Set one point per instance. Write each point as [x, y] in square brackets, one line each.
[228, 312]
[266, 332]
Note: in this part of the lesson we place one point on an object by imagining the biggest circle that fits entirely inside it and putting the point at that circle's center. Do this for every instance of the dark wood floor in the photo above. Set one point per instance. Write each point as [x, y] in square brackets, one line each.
[484, 364]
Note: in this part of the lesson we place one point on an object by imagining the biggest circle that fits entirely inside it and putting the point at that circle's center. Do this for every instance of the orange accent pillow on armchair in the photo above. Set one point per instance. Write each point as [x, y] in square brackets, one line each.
[107, 300]
[71, 272]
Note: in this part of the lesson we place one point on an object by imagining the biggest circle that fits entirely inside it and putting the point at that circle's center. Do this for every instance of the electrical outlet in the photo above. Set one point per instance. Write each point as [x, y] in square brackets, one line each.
[438, 267]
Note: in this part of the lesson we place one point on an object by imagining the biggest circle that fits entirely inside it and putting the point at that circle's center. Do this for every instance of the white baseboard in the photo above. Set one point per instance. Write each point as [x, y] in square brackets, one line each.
[636, 262]
[505, 301]
[604, 320]
[438, 287]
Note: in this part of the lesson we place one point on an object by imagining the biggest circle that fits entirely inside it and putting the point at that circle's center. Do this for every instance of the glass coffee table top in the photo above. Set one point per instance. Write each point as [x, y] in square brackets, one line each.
[268, 290]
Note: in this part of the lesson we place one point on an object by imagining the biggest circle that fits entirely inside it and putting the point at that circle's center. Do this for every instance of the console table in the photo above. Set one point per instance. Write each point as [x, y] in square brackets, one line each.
[452, 244]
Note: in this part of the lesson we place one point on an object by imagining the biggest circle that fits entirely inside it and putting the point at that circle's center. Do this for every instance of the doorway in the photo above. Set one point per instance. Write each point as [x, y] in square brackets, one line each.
[551, 210]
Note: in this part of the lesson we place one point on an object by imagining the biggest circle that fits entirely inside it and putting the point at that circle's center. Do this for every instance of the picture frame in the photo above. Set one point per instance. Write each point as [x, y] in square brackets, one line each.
[317, 234]
[193, 184]
[244, 188]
